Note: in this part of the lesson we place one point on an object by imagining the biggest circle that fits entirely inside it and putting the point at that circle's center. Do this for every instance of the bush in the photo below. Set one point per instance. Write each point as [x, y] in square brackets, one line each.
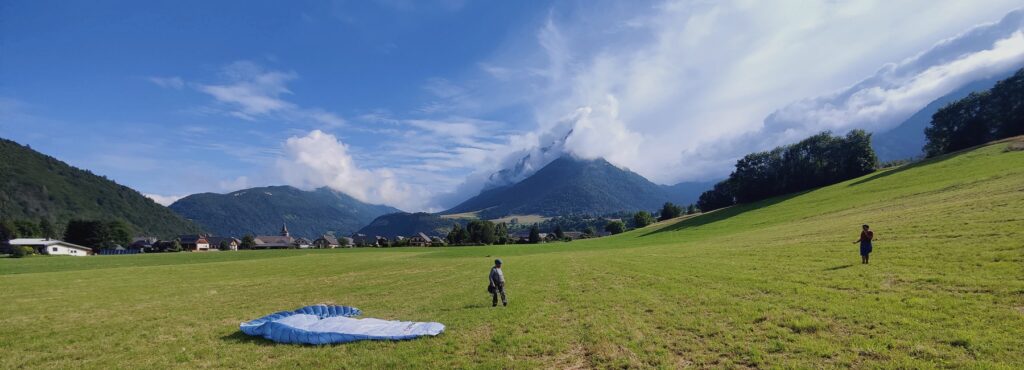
[19, 251]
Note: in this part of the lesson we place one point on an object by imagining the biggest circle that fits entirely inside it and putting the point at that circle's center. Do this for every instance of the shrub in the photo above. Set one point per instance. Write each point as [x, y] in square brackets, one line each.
[19, 251]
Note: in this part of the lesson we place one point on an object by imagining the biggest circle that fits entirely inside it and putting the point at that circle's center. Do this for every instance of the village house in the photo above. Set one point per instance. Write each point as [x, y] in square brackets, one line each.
[302, 243]
[231, 243]
[52, 247]
[194, 243]
[282, 241]
[363, 240]
[420, 240]
[326, 241]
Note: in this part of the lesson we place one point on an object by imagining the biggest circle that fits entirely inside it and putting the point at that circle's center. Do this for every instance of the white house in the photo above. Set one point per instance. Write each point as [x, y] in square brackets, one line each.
[52, 247]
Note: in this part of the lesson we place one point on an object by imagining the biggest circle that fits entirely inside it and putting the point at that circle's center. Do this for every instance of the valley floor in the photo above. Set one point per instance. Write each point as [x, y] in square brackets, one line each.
[772, 284]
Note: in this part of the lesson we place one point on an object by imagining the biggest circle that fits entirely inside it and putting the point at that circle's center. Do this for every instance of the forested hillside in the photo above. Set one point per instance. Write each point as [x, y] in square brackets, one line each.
[408, 224]
[34, 186]
[978, 118]
[262, 211]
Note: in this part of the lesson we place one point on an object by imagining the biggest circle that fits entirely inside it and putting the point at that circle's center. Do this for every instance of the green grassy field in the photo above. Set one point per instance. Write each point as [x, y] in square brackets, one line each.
[773, 284]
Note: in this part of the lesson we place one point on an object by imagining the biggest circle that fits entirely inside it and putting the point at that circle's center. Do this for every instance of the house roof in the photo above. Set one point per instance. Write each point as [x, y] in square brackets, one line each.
[329, 238]
[37, 242]
[274, 240]
[191, 239]
[215, 240]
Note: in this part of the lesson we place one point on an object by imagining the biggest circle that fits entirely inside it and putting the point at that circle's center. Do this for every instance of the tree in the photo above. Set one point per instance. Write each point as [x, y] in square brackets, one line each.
[224, 245]
[534, 234]
[248, 242]
[89, 233]
[691, 209]
[481, 232]
[7, 231]
[501, 233]
[642, 219]
[46, 228]
[559, 234]
[175, 246]
[458, 235]
[669, 211]
[97, 234]
[27, 229]
[615, 227]
[118, 233]
[590, 231]
[720, 196]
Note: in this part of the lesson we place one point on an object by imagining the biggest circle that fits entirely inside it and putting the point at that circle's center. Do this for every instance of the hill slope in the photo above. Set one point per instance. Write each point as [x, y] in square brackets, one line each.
[773, 284]
[261, 211]
[408, 224]
[569, 186]
[34, 185]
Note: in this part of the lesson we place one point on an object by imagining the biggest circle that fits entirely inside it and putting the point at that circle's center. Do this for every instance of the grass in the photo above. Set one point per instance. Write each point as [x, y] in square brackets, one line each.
[463, 216]
[772, 284]
[522, 219]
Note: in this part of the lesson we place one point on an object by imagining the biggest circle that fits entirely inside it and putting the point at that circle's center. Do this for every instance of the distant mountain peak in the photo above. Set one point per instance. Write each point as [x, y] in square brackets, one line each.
[571, 185]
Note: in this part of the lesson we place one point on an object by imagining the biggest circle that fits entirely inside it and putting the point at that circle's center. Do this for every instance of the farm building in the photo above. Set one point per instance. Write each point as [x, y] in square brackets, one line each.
[52, 247]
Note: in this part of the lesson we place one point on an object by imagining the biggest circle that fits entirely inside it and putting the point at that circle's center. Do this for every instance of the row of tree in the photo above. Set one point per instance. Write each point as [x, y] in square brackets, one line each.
[819, 160]
[13, 229]
[978, 118]
[479, 232]
[90, 233]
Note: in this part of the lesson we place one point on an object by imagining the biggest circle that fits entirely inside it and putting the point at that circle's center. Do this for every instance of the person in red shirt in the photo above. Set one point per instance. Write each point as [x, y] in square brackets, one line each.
[866, 236]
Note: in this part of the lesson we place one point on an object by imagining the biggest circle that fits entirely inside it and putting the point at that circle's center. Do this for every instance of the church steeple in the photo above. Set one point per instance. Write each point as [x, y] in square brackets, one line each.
[284, 229]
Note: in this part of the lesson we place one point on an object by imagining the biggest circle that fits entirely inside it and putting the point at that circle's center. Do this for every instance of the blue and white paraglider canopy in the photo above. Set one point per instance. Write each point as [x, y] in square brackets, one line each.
[323, 324]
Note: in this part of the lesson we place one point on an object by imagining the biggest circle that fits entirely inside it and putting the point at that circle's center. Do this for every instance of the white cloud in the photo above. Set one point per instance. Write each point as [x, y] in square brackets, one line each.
[320, 159]
[251, 92]
[164, 200]
[168, 82]
[678, 91]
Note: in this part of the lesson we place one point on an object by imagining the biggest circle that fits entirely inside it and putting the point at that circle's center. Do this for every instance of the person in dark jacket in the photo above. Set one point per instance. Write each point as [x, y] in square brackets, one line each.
[497, 279]
[866, 236]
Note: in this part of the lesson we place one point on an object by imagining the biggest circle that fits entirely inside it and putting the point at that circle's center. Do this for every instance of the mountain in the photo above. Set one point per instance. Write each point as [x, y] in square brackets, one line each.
[907, 139]
[685, 193]
[262, 211]
[407, 224]
[569, 186]
[34, 185]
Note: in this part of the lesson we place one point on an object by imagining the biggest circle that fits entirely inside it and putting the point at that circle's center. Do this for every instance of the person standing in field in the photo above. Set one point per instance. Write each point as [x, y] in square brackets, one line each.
[497, 286]
[866, 236]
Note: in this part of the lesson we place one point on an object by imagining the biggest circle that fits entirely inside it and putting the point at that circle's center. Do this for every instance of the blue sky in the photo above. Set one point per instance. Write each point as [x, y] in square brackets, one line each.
[415, 103]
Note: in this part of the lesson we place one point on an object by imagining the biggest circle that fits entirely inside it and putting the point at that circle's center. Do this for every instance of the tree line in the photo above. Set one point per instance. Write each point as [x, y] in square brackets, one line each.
[978, 118]
[816, 161]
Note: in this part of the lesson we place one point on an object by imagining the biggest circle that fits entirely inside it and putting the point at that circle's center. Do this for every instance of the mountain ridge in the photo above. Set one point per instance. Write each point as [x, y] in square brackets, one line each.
[34, 185]
[568, 185]
[263, 210]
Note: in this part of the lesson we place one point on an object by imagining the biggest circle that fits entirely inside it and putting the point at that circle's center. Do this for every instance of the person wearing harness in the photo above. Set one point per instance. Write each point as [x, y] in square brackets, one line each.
[866, 236]
[497, 284]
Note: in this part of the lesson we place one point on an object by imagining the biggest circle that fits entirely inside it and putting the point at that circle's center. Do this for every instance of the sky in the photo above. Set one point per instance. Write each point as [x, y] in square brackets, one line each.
[415, 104]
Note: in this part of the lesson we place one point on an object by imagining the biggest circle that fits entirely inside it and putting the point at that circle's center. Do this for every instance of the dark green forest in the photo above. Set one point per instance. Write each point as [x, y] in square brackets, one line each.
[35, 186]
[819, 160]
[263, 210]
[978, 118]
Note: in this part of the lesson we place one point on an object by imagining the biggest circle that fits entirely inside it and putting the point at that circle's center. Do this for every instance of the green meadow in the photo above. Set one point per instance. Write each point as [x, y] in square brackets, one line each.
[772, 284]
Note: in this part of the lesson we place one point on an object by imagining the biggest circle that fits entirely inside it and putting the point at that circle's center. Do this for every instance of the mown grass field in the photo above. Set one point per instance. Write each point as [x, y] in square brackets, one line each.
[773, 284]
